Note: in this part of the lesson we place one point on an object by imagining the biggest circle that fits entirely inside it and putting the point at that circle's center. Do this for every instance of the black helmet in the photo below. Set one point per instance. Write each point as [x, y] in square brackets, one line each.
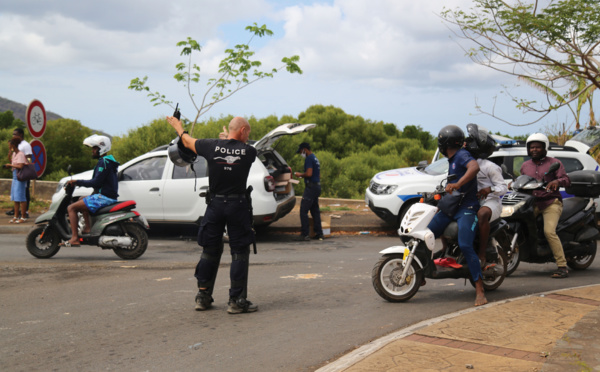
[450, 136]
[179, 154]
[479, 143]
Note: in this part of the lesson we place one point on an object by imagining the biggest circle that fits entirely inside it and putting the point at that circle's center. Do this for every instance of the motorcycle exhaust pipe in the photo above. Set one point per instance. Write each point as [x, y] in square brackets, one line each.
[108, 241]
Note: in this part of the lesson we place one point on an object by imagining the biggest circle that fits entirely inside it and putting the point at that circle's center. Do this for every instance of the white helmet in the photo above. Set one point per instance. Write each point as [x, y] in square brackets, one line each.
[102, 142]
[538, 137]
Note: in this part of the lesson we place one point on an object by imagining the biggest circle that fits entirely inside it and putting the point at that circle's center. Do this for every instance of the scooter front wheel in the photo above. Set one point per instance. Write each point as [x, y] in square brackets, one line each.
[138, 245]
[42, 246]
[386, 276]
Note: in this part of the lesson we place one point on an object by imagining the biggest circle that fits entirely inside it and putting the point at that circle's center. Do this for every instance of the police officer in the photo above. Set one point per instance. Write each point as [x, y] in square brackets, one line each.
[312, 191]
[229, 161]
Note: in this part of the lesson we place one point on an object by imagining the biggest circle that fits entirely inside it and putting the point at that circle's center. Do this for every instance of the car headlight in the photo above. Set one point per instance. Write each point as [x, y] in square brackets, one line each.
[383, 189]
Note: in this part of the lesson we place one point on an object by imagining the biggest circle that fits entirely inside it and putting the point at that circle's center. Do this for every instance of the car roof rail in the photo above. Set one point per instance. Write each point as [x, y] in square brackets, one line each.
[563, 148]
[160, 148]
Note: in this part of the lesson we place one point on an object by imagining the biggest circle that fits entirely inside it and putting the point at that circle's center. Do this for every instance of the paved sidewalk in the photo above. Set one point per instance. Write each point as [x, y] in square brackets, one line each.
[554, 331]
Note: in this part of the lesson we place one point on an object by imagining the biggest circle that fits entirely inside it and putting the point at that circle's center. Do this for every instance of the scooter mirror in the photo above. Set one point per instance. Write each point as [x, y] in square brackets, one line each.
[69, 170]
[553, 168]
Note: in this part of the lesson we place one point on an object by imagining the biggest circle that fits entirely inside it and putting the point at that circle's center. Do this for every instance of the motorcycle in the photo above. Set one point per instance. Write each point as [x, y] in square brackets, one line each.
[118, 227]
[401, 271]
[577, 227]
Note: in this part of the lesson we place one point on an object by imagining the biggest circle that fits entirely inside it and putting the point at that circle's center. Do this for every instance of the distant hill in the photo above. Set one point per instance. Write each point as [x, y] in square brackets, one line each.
[19, 110]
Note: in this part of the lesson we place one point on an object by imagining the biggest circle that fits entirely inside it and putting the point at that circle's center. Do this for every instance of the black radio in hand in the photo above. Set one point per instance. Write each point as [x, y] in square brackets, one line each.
[177, 113]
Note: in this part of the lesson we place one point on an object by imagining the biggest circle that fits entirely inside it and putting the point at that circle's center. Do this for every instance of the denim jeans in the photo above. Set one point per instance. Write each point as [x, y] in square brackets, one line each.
[467, 228]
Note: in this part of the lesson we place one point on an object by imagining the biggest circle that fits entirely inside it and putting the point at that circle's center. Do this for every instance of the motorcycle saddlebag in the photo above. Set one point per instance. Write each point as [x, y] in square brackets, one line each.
[585, 183]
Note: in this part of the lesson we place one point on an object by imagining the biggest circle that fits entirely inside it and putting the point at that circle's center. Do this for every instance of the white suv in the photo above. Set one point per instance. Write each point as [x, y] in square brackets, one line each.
[391, 193]
[165, 193]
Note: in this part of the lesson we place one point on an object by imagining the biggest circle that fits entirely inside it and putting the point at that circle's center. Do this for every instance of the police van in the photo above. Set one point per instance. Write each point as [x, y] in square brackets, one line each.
[391, 193]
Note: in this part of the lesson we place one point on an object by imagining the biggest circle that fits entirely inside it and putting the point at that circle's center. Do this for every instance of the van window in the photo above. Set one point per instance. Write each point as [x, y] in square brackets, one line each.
[187, 172]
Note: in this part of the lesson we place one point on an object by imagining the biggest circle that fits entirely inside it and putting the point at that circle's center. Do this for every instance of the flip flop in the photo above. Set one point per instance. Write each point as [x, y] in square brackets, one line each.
[68, 244]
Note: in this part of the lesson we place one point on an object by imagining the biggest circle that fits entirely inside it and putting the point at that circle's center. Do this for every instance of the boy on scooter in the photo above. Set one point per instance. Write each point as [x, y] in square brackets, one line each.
[104, 181]
[460, 163]
[490, 186]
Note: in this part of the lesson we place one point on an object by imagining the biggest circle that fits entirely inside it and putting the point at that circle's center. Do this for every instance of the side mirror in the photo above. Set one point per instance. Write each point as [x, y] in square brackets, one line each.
[69, 170]
[553, 168]
[422, 164]
[505, 171]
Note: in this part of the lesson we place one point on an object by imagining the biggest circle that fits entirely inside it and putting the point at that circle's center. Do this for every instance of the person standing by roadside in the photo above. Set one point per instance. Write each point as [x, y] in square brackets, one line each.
[312, 191]
[17, 190]
[25, 148]
[229, 160]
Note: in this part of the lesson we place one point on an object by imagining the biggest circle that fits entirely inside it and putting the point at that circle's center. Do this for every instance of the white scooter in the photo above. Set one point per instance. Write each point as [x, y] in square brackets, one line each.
[402, 270]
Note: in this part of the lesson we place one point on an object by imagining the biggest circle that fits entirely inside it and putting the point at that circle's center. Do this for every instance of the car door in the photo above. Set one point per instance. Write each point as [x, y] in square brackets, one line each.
[143, 181]
[181, 199]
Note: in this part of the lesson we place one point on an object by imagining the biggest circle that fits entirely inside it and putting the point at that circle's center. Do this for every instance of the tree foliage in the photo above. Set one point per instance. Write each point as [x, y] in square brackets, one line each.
[236, 71]
[350, 149]
[555, 46]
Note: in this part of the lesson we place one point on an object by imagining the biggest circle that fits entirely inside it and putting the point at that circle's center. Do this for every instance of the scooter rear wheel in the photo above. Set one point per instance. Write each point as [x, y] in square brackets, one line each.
[492, 283]
[42, 247]
[138, 245]
[583, 262]
[386, 276]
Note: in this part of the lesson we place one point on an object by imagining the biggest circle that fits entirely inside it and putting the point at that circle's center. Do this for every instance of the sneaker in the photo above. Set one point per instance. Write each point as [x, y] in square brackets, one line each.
[203, 301]
[303, 238]
[241, 305]
[10, 213]
[319, 237]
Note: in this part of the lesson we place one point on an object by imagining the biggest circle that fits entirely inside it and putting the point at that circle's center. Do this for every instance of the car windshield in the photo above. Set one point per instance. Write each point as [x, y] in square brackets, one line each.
[590, 137]
[438, 167]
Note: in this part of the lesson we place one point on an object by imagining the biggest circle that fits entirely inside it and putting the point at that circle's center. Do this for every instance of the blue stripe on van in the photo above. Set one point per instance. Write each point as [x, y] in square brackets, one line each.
[406, 197]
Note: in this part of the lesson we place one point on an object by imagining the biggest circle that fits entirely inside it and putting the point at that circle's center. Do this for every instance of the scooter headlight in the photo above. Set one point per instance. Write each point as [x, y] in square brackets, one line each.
[508, 211]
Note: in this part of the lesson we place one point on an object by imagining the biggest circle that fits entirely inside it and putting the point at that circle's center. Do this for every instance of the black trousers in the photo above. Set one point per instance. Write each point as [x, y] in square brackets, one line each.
[235, 215]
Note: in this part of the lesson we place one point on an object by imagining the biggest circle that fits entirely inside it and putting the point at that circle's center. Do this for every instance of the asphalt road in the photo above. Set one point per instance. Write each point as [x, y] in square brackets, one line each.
[87, 310]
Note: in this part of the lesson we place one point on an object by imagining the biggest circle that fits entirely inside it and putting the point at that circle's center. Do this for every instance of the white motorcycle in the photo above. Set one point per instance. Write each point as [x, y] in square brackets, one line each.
[402, 270]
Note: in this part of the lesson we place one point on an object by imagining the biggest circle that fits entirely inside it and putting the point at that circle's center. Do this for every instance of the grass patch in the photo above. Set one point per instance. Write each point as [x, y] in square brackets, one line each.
[35, 206]
[334, 209]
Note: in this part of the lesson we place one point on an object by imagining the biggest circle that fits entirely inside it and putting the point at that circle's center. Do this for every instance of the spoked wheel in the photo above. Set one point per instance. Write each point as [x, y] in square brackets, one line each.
[583, 262]
[42, 244]
[494, 279]
[386, 276]
[139, 242]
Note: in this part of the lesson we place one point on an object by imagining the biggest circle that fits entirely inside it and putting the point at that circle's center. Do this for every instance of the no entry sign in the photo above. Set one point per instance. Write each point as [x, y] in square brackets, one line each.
[38, 157]
[36, 118]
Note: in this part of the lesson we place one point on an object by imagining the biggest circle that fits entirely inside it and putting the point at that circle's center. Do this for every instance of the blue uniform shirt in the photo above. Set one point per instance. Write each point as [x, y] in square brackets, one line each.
[311, 161]
[457, 164]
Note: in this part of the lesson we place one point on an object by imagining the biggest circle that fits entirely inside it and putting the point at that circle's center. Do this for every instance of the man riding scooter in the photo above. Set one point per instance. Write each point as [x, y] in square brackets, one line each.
[105, 184]
[461, 164]
[549, 201]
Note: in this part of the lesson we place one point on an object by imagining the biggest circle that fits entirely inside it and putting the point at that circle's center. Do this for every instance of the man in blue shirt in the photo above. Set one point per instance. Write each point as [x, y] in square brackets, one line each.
[312, 191]
[465, 167]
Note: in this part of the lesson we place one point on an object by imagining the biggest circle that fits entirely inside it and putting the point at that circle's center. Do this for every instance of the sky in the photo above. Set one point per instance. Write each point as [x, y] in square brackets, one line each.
[385, 60]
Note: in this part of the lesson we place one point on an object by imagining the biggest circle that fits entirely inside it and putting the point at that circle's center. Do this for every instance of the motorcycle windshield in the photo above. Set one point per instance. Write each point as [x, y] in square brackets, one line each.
[522, 181]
